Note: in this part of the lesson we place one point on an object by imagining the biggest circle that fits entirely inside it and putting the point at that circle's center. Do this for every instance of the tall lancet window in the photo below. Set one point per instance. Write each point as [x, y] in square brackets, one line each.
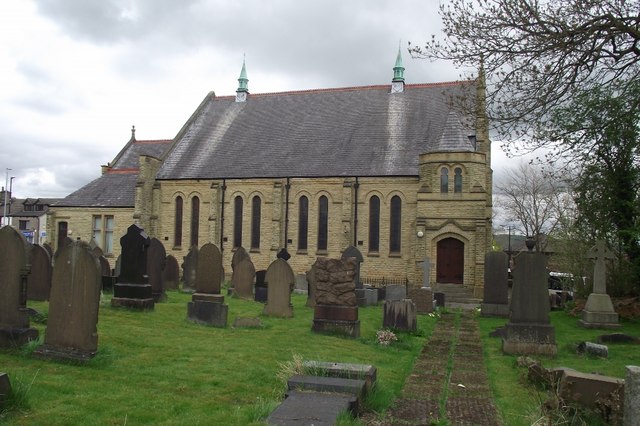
[323, 223]
[237, 222]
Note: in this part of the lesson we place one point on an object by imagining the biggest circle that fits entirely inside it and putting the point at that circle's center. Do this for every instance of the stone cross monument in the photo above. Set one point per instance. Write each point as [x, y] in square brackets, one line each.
[598, 312]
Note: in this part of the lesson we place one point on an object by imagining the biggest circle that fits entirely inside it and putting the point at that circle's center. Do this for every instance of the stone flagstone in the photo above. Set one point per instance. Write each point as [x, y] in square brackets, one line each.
[73, 307]
[14, 268]
[280, 281]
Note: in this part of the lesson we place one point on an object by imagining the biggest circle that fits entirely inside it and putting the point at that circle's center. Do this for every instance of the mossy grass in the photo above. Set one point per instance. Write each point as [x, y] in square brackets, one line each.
[518, 401]
[156, 367]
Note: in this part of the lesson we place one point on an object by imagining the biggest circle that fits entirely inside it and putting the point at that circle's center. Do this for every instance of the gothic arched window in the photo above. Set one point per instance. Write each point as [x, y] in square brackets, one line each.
[256, 206]
[374, 224]
[303, 223]
[177, 228]
[195, 220]
[457, 180]
[395, 225]
[323, 223]
[444, 180]
[237, 222]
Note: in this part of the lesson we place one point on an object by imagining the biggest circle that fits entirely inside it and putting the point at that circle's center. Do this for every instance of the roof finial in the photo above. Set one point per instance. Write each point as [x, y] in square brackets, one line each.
[133, 132]
[243, 87]
[398, 69]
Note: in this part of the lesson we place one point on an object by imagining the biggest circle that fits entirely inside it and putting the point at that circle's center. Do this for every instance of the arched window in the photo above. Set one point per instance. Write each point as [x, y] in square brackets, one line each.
[177, 228]
[256, 204]
[237, 222]
[195, 220]
[457, 180]
[303, 223]
[323, 223]
[374, 224]
[395, 225]
[444, 180]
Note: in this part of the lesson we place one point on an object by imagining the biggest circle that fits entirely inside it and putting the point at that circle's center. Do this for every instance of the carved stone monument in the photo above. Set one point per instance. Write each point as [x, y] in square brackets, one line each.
[598, 312]
[280, 281]
[529, 330]
[336, 309]
[133, 289]
[496, 285]
[207, 303]
[14, 268]
[72, 332]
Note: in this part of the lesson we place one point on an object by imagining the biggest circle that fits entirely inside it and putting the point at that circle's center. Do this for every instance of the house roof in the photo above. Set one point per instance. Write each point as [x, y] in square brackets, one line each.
[18, 206]
[116, 187]
[358, 131]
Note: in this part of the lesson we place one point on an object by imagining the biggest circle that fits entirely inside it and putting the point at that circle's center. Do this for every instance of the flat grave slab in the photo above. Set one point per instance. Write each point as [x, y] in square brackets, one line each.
[310, 408]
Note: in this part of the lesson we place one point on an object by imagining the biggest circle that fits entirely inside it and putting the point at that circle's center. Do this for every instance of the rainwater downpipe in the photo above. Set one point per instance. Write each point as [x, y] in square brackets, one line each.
[224, 188]
[287, 187]
[355, 214]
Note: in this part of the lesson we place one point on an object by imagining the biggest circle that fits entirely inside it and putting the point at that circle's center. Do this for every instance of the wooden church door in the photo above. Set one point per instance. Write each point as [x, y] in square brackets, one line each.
[450, 262]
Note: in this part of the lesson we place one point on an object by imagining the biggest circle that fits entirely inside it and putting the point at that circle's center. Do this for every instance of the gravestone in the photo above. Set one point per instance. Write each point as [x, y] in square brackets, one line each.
[133, 289]
[423, 299]
[242, 279]
[598, 311]
[156, 261]
[400, 315]
[353, 252]
[496, 285]
[95, 248]
[238, 256]
[5, 389]
[207, 304]
[14, 268]
[49, 250]
[39, 280]
[311, 294]
[108, 281]
[426, 273]
[72, 332]
[260, 289]
[280, 281]
[395, 292]
[529, 330]
[336, 309]
[631, 395]
[171, 274]
[118, 267]
[301, 284]
[190, 270]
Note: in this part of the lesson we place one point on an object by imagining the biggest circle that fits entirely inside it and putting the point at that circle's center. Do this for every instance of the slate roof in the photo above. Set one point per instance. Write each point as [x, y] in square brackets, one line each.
[360, 131]
[116, 187]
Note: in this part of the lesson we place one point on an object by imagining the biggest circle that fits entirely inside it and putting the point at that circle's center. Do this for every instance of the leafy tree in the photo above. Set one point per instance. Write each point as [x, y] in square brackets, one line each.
[533, 201]
[537, 54]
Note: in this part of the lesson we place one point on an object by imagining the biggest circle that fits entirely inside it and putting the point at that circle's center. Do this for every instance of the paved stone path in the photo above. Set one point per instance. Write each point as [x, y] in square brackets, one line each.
[449, 380]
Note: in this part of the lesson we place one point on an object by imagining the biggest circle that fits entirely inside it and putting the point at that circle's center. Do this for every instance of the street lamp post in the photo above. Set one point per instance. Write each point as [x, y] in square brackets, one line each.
[6, 188]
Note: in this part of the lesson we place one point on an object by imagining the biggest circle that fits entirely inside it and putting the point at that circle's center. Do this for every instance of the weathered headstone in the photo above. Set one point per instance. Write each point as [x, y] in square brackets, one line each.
[5, 389]
[426, 273]
[108, 281]
[242, 279]
[49, 250]
[118, 268]
[301, 285]
[95, 248]
[207, 304]
[529, 330]
[496, 286]
[156, 261]
[171, 274]
[395, 292]
[39, 280]
[133, 289]
[353, 252]
[631, 395]
[72, 332]
[190, 270]
[311, 280]
[238, 256]
[336, 309]
[280, 281]
[423, 299]
[14, 268]
[598, 311]
[260, 289]
[400, 315]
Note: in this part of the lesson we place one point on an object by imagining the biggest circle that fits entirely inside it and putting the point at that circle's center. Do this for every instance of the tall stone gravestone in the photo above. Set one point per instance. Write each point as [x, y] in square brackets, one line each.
[207, 304]
[280, 281]
[529, 330]
[238, 256]
[311, 279]
[171, 273]
[189, 270]
[14, 268]
[336, 309]
[599, 312]
[423, 296]
[242, 279]
[72, 332]
[39, 280]
[260, 293]
[496, 285]
[156, 262]
[49, 250]
[133, 289]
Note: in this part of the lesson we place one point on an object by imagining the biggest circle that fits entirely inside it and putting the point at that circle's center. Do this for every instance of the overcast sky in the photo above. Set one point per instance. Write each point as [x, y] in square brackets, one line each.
[75, 75]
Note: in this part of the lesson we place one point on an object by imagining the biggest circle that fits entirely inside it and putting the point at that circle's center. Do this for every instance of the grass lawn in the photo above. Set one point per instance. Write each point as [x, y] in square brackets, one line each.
[158, 368]
[518, 401]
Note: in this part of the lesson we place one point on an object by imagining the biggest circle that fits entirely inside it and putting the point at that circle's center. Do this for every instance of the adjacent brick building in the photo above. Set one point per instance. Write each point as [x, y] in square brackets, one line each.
[403, 172]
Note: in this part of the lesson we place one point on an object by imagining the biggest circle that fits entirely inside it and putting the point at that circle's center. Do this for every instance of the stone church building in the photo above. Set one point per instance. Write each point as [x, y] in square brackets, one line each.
[400, 171]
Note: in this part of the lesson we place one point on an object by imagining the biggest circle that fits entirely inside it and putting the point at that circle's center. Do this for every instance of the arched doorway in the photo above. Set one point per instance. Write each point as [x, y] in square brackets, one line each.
[450, 261]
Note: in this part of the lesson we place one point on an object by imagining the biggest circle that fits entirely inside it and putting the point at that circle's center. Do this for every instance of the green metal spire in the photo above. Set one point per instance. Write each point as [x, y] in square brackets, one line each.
[243, 81]
[398, 70]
